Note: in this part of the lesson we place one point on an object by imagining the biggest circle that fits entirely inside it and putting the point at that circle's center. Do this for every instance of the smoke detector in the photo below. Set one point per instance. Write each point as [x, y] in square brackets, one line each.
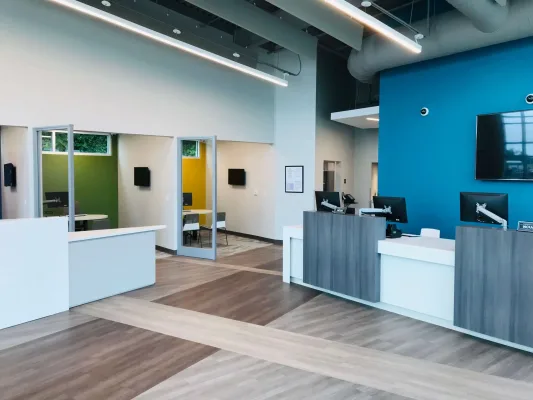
[366, 4]
[106, 3]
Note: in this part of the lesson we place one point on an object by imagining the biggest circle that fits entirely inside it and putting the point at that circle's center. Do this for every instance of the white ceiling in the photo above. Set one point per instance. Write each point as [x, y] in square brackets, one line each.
[358, 117]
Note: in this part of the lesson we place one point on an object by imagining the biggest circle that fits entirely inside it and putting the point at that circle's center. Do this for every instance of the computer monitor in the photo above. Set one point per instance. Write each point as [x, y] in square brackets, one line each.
[61, 197]
[397, 205]
[187, 199]
[497, 203]
[333, 198]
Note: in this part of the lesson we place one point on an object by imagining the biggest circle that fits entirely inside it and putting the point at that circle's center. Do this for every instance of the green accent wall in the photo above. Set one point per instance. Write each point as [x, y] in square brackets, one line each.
[95, 181]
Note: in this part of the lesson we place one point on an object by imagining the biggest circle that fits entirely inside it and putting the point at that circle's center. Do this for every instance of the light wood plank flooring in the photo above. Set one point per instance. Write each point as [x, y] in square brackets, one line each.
[342, 321]
[405, 376]
[208, 342]
[230, 376]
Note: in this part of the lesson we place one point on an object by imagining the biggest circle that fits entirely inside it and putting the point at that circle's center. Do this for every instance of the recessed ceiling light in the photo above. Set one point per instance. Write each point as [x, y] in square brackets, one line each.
[177, 31]
[236, 55]
[373, 119]
[106, 3]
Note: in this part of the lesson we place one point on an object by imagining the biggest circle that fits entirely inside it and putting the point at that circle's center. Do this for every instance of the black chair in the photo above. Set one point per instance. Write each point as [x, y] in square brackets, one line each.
[191, 225]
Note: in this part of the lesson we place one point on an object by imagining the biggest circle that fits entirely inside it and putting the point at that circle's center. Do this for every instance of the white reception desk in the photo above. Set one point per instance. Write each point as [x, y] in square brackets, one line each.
[108, 262]
[417, 278]
[45, 270]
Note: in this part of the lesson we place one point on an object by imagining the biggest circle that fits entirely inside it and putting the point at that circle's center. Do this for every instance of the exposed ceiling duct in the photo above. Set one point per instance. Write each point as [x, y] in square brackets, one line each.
[486, 15]
[451, 33]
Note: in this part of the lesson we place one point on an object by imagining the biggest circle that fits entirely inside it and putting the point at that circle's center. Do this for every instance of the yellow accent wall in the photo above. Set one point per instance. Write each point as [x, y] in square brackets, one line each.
[194, 179]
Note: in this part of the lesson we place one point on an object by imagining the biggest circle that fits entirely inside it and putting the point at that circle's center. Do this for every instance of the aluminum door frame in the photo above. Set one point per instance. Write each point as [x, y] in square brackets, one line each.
[38, 154]
[211, 253]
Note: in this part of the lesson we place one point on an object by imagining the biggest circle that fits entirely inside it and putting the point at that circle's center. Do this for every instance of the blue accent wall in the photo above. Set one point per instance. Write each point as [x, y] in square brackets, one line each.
[429, 160]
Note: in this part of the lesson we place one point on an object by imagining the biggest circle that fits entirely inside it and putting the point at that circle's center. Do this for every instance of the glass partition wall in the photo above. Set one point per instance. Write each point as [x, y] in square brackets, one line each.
[197, 192]
[55, 192]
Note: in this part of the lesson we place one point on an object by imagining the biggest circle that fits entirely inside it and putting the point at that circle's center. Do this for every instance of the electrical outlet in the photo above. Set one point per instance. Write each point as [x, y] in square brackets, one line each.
[256, 193]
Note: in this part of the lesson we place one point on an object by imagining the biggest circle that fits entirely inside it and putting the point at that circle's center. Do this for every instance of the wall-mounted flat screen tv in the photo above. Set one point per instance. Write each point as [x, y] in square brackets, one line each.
[504, 148]
[141, 176]
[237, 177]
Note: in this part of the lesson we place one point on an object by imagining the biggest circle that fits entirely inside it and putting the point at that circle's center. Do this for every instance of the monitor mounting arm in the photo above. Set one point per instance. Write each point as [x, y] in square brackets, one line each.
[482, 208]
[385, 210]
[336, 210]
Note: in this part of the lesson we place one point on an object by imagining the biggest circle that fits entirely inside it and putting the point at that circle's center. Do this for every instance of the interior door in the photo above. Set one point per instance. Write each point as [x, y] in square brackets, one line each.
[45, 142]
[197, 197]
[373, 181]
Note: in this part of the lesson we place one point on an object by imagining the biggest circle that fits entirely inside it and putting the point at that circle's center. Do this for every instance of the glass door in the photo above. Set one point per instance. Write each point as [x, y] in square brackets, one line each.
[54, 171]
[197, 197]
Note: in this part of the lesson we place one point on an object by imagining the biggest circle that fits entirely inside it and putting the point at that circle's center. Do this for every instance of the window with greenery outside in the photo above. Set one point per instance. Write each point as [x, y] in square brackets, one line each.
[83, 143]
[190, 148]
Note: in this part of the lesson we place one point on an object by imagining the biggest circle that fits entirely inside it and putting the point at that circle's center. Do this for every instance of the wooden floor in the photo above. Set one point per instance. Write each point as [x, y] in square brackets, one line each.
[232, 330]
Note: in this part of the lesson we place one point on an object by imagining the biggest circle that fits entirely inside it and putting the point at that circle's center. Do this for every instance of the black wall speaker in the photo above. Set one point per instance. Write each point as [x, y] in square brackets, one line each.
[10, 175]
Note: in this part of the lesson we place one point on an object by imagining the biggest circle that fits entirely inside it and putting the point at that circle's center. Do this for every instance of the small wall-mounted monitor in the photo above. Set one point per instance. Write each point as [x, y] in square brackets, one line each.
[236, 177]
[10, 175]
[187, 199]
[141, 176]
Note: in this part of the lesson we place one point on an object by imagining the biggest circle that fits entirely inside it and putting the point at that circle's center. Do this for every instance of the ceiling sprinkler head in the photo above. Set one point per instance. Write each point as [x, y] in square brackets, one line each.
[419, 36]
[106, 3]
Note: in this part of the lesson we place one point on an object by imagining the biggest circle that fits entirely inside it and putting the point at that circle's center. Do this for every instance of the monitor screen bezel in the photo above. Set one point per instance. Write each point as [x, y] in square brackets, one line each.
[476, 156]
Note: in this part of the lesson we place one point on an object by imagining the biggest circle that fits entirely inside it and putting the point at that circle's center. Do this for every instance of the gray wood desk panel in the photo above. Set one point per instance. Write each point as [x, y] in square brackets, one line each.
[494, 283]
[341, 253]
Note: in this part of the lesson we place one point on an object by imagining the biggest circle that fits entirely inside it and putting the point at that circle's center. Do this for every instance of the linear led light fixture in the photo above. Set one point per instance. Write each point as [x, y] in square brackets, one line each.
[375, 24]
[373, 119]
[158, 37]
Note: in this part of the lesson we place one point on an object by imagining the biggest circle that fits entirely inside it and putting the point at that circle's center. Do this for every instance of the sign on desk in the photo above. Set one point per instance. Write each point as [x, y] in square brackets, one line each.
[525, 226]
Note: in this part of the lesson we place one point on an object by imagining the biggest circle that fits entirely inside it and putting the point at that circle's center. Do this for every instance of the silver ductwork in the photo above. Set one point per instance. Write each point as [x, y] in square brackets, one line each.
[486, 15]
[451, 33]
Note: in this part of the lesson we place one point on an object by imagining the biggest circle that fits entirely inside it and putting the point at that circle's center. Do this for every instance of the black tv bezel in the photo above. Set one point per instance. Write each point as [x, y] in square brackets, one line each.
[237, 169]
[476, 158]
[149, 176]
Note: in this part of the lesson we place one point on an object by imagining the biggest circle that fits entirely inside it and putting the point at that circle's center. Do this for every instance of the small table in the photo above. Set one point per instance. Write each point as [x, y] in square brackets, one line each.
[85, 218]
[201, 212]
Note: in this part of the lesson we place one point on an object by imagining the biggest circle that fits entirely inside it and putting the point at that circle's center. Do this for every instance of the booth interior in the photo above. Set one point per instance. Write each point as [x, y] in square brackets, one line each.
[236, 177]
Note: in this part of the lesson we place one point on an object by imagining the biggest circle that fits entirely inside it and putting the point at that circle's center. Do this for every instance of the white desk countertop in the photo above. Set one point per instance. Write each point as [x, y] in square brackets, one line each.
[434, 250]
[103, 233]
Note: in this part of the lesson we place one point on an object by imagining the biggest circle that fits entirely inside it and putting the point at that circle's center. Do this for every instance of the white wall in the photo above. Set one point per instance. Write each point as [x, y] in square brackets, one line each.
[295, 131]
[74, 69]
[247, 212]
[16, 147]
[366, 153]
[156, 205]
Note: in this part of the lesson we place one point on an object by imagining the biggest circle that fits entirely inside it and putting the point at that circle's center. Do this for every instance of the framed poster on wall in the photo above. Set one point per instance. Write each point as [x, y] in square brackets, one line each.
[294, 179]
